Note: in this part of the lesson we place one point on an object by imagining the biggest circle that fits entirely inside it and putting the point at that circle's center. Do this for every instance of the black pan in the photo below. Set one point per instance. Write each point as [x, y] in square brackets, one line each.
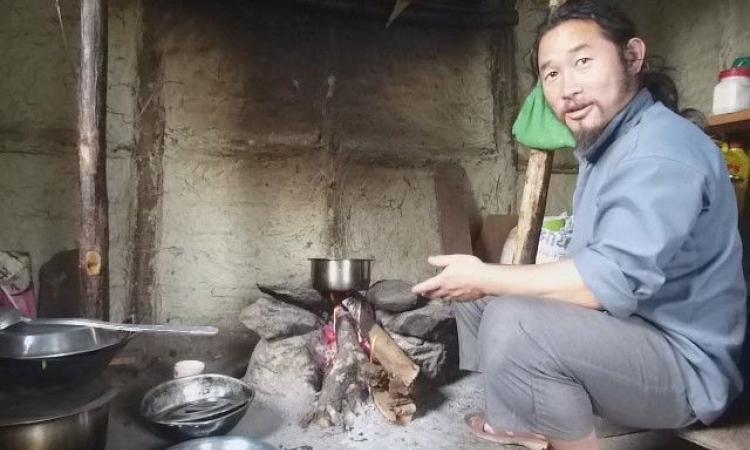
[55, 356]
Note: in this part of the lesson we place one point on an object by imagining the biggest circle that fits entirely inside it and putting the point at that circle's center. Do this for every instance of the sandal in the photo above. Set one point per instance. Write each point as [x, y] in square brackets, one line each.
[477, 421]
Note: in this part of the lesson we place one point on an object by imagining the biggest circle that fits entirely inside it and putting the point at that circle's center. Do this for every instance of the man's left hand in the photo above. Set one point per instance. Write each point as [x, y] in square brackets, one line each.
[463, 278]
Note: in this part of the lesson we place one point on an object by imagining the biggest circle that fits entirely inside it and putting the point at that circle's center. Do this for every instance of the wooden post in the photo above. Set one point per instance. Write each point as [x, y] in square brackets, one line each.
[92, 101]
[533, 203]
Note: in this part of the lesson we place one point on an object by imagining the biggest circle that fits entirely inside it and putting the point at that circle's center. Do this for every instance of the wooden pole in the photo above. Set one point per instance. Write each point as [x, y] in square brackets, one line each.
[92, 101]
[534, 199]
[533, 203]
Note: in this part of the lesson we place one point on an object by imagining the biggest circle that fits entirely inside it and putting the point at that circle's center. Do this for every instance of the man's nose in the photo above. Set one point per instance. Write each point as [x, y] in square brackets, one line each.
[570, 88]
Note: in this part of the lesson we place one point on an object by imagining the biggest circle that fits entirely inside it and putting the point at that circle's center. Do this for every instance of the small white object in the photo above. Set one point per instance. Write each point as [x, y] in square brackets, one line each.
[188, 367]
[732, 93]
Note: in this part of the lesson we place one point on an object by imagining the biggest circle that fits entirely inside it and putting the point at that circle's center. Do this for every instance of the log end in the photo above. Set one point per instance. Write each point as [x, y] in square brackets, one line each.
[93, 261]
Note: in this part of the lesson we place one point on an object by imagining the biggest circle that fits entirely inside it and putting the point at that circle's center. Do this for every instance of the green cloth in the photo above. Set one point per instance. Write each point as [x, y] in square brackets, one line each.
[538, 127]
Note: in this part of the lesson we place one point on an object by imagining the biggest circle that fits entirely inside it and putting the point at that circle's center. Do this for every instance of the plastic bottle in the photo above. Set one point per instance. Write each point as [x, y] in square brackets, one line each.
[738, 163]
[732, 93]
[723, 146]
[742, 61]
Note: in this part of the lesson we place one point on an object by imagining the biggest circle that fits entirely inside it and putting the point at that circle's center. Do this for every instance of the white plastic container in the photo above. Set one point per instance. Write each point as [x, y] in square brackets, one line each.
[732, 93]
[188, 368]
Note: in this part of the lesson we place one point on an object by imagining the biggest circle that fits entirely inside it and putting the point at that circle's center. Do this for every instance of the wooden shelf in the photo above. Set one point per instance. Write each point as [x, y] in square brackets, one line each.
[733, 126]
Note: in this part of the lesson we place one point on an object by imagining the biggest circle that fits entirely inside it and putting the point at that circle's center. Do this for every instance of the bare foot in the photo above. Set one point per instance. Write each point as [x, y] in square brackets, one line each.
[488, 429]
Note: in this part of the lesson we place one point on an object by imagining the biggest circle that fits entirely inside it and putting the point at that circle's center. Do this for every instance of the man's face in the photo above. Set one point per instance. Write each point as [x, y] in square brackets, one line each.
[583, 77]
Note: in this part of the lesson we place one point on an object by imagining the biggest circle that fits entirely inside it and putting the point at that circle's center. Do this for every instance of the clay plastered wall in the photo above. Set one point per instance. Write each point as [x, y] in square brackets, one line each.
[698, 39]
[39, 205]
[289, 136]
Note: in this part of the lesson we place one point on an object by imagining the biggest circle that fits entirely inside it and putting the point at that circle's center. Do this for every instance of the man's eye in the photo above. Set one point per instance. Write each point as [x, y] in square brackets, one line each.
[583, 61]
[550, 75]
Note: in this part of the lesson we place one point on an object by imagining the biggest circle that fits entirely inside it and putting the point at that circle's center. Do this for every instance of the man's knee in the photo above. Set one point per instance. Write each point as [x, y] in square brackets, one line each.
[469, 313]
[508, 314]
[513, 332]
[462, 309]
[503, 335]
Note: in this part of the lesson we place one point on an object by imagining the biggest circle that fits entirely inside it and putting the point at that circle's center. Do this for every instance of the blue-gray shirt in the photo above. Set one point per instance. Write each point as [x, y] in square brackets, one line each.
[656, 236]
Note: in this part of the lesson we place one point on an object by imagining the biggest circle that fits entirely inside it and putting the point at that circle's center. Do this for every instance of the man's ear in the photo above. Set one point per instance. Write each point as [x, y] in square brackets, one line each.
[635, 53]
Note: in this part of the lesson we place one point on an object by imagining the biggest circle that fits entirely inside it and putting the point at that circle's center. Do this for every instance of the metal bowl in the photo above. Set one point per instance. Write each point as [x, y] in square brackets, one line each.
[196, 406]
[56, 356]
[340, 275]
[222, 443]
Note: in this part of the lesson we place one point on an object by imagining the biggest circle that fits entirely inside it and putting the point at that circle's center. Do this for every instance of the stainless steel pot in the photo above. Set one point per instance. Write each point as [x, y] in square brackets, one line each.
[75, 419]
[340, 275]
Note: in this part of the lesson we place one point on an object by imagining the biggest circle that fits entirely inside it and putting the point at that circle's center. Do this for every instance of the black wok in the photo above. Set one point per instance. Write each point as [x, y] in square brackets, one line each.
[55, 356]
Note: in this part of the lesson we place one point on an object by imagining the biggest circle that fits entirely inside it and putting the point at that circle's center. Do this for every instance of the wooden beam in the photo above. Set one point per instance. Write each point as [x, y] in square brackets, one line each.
[431, 14]
[533, 203]
[148, 155]
[534, 199]
[92, 148]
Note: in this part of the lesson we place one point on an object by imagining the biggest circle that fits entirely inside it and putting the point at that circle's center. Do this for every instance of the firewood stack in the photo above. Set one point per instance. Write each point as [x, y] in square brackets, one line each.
[384, 346]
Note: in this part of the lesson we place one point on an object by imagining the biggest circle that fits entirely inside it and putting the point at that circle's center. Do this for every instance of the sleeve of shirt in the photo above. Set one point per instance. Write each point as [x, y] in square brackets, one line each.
[645, 213]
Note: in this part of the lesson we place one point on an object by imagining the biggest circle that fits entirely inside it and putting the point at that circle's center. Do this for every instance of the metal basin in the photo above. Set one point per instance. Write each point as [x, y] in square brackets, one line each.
[196, 406]
[56, 356]
[340, 275]
[222, 443]
[75, 419]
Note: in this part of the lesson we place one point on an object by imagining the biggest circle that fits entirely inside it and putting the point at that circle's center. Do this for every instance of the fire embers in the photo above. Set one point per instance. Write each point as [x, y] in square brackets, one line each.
[345, 380]
[331, 344]
[330, 340]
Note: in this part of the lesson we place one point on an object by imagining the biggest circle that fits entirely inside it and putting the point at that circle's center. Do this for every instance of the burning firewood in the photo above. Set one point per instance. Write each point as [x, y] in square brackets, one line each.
[395, 402]
[352, 356]
[396, 408]
[344, 386]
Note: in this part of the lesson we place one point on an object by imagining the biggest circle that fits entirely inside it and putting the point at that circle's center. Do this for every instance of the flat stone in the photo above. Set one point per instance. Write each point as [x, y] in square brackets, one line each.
[306, 297]
[273, 319]
[392, 295]
[425, 322]
[431, 357]
[285, 366]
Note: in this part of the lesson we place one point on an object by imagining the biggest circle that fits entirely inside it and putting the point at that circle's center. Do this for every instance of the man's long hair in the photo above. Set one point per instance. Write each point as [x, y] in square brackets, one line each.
[619, 29]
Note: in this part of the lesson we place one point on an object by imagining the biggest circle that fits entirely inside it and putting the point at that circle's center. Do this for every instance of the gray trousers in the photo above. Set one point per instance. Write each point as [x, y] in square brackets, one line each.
[549, 367]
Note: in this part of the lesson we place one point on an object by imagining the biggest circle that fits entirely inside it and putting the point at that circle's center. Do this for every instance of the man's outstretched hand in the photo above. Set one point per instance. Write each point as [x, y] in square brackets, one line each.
[463, 278]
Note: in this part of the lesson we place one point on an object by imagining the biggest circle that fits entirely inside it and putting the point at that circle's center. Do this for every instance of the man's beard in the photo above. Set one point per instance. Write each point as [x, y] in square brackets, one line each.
[586, 137]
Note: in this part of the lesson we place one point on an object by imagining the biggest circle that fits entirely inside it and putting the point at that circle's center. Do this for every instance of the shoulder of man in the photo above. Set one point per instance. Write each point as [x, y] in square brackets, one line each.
[662, 133]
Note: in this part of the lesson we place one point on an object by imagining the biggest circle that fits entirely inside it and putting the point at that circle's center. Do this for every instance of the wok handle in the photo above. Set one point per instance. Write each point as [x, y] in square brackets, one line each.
[179, 329]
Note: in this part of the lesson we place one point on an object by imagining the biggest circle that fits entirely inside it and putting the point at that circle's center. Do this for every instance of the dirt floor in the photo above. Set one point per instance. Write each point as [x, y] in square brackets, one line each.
[274, 419]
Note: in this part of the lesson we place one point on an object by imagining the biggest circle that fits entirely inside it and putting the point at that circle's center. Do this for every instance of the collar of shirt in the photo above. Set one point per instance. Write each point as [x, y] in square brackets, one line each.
[623, 122]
